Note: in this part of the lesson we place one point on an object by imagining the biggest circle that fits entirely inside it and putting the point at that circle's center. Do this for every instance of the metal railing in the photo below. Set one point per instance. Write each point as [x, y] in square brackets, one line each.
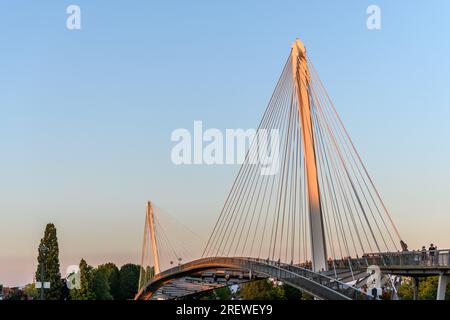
[315, 283]
[292, 272]
[302, 274]
[431, 258]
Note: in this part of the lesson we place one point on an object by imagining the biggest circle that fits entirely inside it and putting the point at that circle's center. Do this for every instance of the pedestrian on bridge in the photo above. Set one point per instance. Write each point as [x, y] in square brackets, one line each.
[424, 255]
[432, 251]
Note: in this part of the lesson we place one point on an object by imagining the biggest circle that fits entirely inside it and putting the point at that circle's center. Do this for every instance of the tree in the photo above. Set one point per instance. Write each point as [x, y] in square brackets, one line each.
[270, 290]
[112, 273]
[85, 292]
[31, 292]
[405, 291]
[291, 293]
[65, 291]
[129, 279]
[16, 294]
[260, 290]
[50, 259]
[100, 285]
[427, 289]
[145, 275]
[222, 293]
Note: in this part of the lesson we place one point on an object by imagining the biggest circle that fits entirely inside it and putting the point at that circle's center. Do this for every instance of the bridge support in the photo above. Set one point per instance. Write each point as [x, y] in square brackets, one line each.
[151, 224]
[442, 286]
[301, 79]
[415, 283]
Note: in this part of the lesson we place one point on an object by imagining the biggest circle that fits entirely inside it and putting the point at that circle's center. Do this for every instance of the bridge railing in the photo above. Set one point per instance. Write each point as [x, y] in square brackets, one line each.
[288, 271]
[274, 268]
[431, 258]
[324, 280]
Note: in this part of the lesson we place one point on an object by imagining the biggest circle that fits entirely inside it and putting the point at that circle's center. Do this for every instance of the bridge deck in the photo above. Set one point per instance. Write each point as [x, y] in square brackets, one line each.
[332, 284]
[319, 285]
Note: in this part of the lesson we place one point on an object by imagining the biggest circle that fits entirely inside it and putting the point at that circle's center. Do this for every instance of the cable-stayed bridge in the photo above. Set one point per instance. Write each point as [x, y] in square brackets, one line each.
[314, 221]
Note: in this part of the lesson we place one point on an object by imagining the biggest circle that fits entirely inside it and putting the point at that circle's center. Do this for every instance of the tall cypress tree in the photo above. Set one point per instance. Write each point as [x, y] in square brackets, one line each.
[85, 292]
[50, 258]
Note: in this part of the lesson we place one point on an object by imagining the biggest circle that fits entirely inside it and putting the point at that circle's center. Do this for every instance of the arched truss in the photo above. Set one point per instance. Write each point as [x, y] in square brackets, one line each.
[319, 285]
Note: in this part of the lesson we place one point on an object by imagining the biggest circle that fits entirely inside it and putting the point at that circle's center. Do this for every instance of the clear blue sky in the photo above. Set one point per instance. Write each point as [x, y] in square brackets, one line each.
[86, 115]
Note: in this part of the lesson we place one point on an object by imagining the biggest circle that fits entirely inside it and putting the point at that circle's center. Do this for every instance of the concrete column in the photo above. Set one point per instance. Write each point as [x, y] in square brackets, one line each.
[415, 288]
[442, 286]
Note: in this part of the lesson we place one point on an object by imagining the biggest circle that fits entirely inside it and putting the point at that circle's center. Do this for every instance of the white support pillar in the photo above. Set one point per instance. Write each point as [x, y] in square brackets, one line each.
[151, 222]
[301, 79]
[442, 286]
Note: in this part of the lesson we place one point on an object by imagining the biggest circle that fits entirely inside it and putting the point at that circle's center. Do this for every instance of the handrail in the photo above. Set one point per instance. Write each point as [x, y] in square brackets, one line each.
[257, 264]
[428, 258]
[327, 283]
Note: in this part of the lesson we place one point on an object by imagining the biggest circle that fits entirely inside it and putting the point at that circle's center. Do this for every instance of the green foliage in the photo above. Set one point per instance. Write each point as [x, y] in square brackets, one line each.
[129, 279]
[100, 285]
[65, 291]
[106, 282]
[405, 290]
[31, 292]
[86, 291]
[291, 293]
[270, 290]
[307, 296]
[427, 289]
[112, 273]
[222, 293]
[261, 290]
[51, 263]
[16, 294]
[145, 275]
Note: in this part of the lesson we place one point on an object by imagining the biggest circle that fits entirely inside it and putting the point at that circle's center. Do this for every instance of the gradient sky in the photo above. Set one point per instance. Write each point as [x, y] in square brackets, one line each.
[86, 116]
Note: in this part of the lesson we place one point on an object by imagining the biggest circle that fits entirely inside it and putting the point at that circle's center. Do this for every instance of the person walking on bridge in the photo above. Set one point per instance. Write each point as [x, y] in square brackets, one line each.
[424, 255]
[431, 250]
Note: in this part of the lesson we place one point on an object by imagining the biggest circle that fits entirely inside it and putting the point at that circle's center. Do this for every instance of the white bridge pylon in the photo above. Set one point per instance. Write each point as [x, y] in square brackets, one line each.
[320, 211]
[166, 243]
[321, 205]
[301, 78]
[149, 261]
[150, 220]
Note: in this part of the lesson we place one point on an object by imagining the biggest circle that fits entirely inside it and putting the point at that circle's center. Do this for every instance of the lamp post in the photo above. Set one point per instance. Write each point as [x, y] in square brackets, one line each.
[43, 249]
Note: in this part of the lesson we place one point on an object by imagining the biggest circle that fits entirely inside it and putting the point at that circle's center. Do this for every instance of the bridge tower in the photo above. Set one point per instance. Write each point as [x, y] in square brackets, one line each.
[151, 225]
[301, 80]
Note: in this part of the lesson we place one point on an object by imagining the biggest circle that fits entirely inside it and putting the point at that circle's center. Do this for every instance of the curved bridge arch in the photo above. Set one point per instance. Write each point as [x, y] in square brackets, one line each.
[319, 285]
